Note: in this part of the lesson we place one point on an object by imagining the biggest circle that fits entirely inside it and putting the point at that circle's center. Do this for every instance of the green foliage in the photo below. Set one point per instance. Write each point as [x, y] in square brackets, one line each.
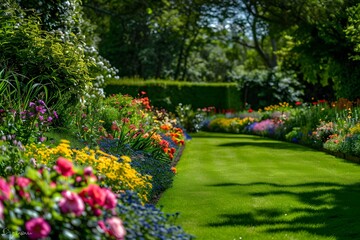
[42, 56]
[23, 112]
[168, 94]
[264, 87]
[12, 159]
[189, 118]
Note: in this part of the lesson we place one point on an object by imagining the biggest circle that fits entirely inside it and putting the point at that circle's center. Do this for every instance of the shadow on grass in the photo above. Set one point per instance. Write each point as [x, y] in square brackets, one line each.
[268, 144]
[323, 209]
[226, 136]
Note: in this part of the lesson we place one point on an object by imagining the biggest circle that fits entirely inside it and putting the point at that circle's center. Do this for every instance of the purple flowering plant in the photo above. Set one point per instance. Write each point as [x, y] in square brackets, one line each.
[27, 124]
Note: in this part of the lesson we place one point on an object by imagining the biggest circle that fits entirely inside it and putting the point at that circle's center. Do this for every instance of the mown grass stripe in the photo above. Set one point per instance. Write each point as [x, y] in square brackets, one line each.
[247, 187]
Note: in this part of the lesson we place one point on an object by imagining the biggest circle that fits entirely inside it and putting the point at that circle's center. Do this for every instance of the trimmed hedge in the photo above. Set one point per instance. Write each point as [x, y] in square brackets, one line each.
[168, 94]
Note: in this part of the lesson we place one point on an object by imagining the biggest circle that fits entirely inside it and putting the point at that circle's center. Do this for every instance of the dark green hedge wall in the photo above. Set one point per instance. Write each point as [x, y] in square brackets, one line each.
[168, 94]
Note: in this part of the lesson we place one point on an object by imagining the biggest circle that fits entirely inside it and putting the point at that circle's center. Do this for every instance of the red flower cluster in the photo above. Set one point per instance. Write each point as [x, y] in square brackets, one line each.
[165, 146]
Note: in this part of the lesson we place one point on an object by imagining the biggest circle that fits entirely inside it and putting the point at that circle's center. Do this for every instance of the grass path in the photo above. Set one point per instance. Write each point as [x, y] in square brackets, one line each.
[248, 187]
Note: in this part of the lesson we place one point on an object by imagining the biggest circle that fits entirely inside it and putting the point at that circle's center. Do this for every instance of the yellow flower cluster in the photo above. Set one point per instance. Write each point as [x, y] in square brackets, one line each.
[278, 107]
[230, 124]
[355, 129]
[118, 173]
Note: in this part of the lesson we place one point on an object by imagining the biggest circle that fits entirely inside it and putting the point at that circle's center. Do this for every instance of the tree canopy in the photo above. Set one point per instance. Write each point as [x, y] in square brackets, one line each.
[314, 42]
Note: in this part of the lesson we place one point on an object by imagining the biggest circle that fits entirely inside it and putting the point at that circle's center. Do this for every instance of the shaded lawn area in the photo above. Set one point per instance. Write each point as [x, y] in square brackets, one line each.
[247, 187]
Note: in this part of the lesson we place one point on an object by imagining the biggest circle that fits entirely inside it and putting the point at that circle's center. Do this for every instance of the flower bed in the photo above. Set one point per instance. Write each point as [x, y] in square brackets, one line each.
[129, 147]
[332, 126]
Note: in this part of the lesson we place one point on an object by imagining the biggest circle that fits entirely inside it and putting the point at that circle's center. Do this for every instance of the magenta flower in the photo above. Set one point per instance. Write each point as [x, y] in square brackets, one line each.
[64, 167]
[22, 182]
[110, 200]
[71, 203]
[4, 190]
[55, 114]
[49, 119]
[37, 228]
[116, 228]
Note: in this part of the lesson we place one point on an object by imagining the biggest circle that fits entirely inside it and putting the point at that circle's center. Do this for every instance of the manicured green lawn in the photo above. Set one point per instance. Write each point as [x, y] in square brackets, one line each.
[248, 187]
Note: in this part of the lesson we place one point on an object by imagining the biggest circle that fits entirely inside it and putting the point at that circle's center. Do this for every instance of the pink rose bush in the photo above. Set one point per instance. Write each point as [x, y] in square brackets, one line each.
[60, 203]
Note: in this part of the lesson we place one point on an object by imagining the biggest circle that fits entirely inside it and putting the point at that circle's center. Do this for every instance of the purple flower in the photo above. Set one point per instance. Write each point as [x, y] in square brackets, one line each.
[49, 119]
[41, 118]
[55, 114]
[38, 228]
[40, 109]
[32, 104]
[42, 139]
[41, 102]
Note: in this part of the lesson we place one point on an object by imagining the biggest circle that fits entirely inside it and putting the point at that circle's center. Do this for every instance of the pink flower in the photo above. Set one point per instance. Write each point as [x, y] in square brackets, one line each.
[93, 195]
[88, 171]
[64, 167]
[110, 199]
[1, 210]
[22, 182]
[37, 228]
[71, 202]
[116, 228]
[4, 190]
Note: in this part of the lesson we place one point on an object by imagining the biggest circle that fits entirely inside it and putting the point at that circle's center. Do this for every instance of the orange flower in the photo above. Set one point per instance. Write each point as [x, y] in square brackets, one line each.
[173, 169]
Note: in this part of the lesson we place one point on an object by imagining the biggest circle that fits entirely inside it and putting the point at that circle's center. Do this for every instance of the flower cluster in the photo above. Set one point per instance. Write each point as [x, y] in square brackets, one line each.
[235, 125]
[281, 107]
[116, 172]
[65, 202]
[29, 124]
[323, 131]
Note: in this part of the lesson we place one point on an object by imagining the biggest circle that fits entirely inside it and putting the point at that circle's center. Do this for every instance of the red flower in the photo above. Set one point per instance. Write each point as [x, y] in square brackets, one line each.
[250, 110]
[298, 103]
[64, 167]
[93, 195]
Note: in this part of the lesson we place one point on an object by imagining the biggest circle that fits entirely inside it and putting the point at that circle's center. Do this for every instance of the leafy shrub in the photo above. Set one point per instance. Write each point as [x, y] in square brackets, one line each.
[191, 119]
[44, 56]
[333, 143]
[294, 135]
[147, 221]
[12, 158]
[264, 87]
